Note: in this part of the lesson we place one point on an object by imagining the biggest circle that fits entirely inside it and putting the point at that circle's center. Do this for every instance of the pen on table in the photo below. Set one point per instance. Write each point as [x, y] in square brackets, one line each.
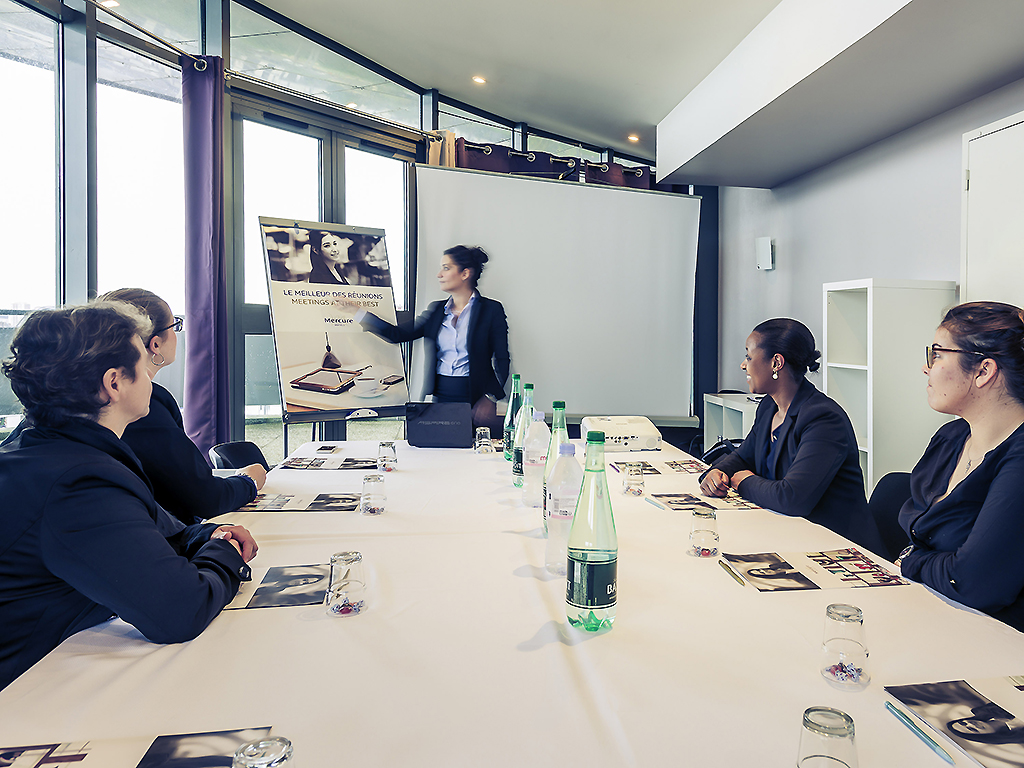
[649, 500]
[920, 734]
[615, 468]
[731, 572]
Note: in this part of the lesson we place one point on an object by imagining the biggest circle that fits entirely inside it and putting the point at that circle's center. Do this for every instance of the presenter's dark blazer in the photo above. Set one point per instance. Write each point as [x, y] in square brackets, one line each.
[488, 344]
[817, 466]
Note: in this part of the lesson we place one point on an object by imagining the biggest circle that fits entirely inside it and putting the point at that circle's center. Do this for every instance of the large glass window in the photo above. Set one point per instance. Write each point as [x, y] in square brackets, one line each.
[27, 193]
[176, 21]
[561, 148]
[375, 197]
[265, 50]
[472, 128]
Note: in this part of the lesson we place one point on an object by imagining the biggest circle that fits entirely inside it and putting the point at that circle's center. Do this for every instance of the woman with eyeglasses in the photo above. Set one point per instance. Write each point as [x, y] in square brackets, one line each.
[183, 482]
[800, 458]
[965, 516]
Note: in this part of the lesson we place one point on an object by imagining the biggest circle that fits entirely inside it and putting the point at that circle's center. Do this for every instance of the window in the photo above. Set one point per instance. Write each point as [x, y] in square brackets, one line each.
[472, 128]
[561, 148]
[265, 50]
[176, 21]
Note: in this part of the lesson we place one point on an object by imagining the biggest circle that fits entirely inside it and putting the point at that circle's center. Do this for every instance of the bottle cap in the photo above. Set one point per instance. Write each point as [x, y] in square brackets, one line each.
[595, 436]
[566, 449]
[527, 386]
[558, 404]
[515, 377]
[538, 415]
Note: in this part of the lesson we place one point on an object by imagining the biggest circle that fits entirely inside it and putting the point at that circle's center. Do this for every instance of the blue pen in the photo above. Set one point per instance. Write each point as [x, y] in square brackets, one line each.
[920, 734]
[652, 501]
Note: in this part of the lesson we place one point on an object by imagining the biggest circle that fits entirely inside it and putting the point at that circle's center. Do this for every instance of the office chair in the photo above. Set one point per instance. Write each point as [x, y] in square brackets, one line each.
[889, 496]
[236, 455]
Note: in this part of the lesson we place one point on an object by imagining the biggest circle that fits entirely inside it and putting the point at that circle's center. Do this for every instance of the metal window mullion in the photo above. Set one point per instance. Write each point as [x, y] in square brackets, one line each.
[235, 270]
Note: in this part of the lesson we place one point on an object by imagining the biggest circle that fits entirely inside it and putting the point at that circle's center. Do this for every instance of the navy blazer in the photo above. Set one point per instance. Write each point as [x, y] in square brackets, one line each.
[817, 466]
[489, 359]
[86, 541]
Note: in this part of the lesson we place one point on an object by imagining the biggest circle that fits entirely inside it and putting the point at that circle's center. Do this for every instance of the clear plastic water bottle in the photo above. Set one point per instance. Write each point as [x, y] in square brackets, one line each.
[559, 436]
[535, 457]
[523, 420]
[515, 399]
[563, 489]
[593, 548]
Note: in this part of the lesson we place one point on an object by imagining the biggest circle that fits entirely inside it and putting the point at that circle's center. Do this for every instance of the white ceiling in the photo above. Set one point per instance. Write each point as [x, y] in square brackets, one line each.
[593, 70]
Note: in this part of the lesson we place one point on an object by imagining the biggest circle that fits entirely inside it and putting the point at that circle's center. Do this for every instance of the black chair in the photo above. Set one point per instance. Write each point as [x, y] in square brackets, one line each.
[236, 455]
[720, 449]
[889, 496]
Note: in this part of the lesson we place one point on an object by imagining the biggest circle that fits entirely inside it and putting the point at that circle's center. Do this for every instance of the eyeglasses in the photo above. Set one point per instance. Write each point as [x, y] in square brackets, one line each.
[929, 353]
[176, 325]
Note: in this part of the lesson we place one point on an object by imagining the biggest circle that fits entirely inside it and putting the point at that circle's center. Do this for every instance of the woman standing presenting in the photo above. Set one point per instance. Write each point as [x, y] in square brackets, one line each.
[801, 456]
[965, 516]
[466, 337]
[183, 482]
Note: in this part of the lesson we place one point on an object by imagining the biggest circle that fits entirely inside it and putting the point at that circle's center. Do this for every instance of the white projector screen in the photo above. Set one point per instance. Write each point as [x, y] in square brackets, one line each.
[597, 283]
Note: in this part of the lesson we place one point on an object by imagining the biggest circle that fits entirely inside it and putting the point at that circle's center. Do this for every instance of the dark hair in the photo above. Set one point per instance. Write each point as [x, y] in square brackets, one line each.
[791, 339]
[471, 257]
[316, 254]
[158, 311]
[995, 330]
[61, 355]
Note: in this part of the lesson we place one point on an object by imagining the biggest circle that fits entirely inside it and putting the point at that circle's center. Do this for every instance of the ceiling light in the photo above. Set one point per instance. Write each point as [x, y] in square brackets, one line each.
[110, 3]
[351, 105]
[479, 80]
[633, 137]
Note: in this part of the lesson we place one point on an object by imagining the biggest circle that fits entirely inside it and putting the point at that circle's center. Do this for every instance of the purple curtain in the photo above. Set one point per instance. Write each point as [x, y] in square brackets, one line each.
[206, 366]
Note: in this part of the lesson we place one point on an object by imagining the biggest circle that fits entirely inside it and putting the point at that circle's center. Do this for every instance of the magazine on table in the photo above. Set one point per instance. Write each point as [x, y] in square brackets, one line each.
[295, 502]
[830, 569]
[984, 718]
[284, 585]
[327, 462]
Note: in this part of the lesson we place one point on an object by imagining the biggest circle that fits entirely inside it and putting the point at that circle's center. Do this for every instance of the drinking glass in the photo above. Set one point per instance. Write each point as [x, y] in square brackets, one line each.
[633, 478]
[704, 533]
[269, 752]
[346, 566]
[346, 598]
[844, 652]
[387, 458]
[372, 500]
[483, 443]
[826, 739]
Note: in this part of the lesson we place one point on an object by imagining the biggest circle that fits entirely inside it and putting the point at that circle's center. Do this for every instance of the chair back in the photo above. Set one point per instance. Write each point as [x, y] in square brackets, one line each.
[889, 496]
[720, 449]
[236, 455]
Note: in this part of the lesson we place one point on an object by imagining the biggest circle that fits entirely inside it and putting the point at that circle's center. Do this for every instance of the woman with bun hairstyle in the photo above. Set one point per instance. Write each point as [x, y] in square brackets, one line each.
[183, 482]
[800, 457]
[466, 337]
[965, 516]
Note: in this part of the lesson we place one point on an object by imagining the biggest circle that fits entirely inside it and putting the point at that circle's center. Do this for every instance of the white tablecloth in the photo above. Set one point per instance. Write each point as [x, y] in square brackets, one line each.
[464, 656]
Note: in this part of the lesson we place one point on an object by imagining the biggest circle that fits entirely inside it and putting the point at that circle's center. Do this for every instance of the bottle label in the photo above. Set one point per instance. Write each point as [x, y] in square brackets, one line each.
[564, 507]
[517, 461]
[590, 585]
[508, 441]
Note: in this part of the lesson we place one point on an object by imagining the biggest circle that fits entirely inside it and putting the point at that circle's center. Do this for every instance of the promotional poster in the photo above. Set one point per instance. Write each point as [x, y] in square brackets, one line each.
[320, 274]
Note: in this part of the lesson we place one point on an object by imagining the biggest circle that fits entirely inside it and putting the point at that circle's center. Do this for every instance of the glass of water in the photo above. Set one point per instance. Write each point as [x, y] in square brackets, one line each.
[826, 739]
[372, 500]
[482, 443]
[387, 458]
[633, 478]
[704, 533]
[844, 651]
[270, 752]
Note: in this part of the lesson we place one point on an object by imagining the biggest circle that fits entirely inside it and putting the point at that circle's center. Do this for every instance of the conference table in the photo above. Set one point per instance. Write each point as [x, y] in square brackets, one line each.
[463, 656]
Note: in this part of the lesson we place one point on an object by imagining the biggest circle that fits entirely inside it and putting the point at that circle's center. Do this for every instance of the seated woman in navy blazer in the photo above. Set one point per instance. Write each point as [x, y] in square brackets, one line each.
[466, 337]
[965, 515]
[801, 456]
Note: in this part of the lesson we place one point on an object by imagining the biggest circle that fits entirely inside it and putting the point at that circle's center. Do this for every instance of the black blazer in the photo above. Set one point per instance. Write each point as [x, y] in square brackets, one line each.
[488, 344]
[818, 467]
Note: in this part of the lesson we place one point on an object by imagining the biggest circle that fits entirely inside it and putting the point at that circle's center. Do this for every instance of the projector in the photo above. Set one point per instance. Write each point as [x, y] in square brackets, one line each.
[623, 433]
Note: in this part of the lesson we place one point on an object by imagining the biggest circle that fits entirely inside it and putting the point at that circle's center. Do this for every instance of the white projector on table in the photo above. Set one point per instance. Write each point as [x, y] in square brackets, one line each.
[623, 433]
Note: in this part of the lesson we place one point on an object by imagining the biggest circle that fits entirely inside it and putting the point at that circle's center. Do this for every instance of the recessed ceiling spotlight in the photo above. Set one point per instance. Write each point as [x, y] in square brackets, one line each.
[110, 3]
[478, 80]
[633, 137]
[351, 105]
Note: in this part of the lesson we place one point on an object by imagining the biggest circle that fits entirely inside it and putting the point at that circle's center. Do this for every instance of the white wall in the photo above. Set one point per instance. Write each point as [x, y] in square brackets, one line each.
[890, 210]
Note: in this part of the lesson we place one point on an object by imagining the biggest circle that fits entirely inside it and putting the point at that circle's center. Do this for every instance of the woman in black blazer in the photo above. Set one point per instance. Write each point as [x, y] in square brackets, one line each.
[801, 456]
[466, 337]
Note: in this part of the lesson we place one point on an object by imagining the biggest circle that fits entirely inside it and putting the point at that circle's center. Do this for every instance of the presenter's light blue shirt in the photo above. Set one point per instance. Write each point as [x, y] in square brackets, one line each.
[453, 340]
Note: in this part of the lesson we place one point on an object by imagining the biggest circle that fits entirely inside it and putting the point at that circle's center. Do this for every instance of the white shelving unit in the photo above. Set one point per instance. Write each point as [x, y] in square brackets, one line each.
[876, 332]
[727, 416]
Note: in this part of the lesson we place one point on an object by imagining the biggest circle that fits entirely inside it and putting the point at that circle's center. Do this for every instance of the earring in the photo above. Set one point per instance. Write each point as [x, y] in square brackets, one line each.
[775, 374]
[162, 359]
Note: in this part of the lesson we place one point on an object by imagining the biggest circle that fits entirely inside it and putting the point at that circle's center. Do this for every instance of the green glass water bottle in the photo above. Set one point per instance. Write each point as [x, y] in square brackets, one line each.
[514, 401]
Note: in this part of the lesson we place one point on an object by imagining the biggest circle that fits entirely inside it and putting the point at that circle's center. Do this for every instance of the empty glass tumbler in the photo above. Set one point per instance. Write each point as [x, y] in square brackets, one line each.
[346, 566]
[387, 458]
[373, 498]
[271, 752]
[844, 651]
[482, 443]
[826, 739]
[704, 533]
[633, 478]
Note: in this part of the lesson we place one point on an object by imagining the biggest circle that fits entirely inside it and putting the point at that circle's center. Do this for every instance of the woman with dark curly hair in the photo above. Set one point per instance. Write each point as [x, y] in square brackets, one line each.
[800, 457]
[86, 540]
[965, 516]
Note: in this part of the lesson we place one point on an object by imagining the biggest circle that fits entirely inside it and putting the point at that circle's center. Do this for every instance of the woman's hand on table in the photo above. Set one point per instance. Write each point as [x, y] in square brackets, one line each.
[239, 538]
[715, 483]
[256, 472]
[739, 477]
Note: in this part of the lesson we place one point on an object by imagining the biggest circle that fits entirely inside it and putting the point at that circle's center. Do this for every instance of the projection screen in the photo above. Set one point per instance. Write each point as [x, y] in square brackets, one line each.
[597, 283]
